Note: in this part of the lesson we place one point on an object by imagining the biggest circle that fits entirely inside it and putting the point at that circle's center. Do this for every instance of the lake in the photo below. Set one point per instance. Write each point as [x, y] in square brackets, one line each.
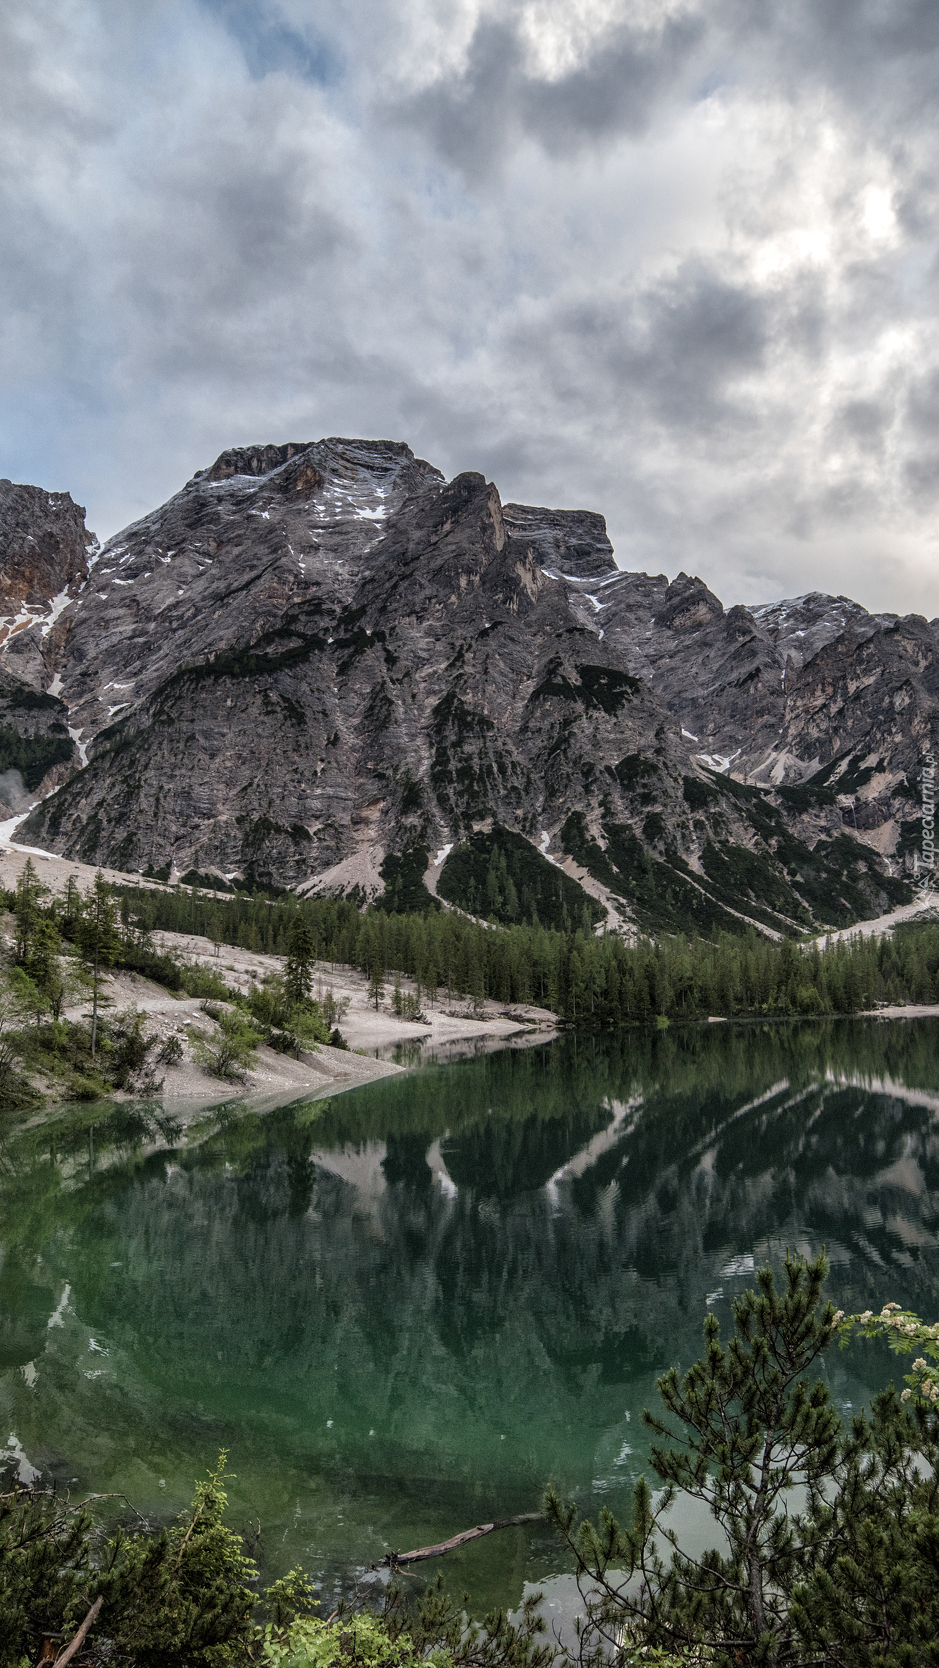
[403, 1310]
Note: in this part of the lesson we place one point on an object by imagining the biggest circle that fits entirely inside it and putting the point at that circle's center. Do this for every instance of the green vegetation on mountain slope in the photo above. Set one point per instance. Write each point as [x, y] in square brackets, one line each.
[501, 877]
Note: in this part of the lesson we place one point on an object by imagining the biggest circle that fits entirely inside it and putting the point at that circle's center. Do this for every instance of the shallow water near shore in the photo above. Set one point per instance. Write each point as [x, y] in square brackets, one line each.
[405, 1309]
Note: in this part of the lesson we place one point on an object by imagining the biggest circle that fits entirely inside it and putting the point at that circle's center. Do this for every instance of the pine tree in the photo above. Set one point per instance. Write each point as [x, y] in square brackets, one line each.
[72, 901]
[26, 910]
[750, 1429]
[869, 1597]
[301, 956]
[43, 967]
[98, 941]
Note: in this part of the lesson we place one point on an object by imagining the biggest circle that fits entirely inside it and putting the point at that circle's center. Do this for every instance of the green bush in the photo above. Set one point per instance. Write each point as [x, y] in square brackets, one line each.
[129, 1053]
[176, 1600]
[288, 1025]
[202, 981]
[362, 1640]
[269, 1004]
[230, 1052]
[186, 1597]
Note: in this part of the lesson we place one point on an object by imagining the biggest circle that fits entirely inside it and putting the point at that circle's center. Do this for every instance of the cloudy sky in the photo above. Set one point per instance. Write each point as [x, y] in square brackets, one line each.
[674, 260]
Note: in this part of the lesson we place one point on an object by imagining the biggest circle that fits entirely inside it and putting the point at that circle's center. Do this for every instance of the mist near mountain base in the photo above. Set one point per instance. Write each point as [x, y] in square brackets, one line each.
[13, 795]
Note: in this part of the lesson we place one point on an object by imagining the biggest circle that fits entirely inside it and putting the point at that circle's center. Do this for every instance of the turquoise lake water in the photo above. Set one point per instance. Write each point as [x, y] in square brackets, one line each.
[404, 1310]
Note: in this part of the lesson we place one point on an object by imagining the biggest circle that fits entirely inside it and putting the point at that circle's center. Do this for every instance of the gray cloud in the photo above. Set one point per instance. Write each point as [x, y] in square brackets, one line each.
[675, 262]
[618, 90]
[472, 116]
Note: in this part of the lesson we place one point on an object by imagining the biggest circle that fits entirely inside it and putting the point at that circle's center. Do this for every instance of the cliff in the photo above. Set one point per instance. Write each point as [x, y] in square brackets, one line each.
[317, 657]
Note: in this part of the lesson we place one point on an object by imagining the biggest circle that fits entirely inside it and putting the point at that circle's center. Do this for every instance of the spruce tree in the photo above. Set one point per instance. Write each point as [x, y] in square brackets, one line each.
[301, 957]
[26, 910]
[376, 980]
[98, 941]
[42, 965]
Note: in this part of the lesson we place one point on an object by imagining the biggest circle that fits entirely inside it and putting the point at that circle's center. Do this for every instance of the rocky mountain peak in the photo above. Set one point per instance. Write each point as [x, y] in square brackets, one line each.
[688, 604]
[287, 470]
[800, 627]
[569, 544]
[250, 460]
[318, 657]
[44, 545]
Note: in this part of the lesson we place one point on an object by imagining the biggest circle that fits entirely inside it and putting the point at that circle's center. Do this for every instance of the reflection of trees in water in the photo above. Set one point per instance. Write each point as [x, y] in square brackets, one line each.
[331, 1272]
[310, 1265]
[855, 1170]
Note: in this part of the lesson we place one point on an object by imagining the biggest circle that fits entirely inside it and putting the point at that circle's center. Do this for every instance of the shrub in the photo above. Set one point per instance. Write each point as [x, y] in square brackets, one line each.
[175, 1600]
[170, 1051]
[230, 1053]
[129, 1063]
[201, 981]
[289, 1025]
[362, 1640]
[434, 1630]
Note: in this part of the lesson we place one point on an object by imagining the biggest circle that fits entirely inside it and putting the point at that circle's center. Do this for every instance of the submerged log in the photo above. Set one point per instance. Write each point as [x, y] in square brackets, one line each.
[396, 1560]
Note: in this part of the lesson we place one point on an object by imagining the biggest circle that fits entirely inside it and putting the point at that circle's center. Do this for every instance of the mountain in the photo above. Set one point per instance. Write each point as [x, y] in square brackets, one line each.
[44, 546]
[323, 665]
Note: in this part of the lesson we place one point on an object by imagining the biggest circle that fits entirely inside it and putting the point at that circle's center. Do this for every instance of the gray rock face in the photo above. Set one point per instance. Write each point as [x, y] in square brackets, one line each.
[317, 654]
[781, 690]
[566, 543]
[44, 547]
[286, 671]
[36, 751]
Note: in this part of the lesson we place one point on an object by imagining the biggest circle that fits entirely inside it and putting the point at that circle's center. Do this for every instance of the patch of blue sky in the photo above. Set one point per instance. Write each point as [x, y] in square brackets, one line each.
[268, 44]
[719, 78]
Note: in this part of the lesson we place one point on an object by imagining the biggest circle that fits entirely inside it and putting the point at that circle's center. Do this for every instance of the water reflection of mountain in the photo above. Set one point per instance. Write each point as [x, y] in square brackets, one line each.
[465, 1280]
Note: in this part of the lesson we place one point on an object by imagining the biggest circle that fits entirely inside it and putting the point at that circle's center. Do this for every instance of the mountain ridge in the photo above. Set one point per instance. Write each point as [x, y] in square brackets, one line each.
[316, 656]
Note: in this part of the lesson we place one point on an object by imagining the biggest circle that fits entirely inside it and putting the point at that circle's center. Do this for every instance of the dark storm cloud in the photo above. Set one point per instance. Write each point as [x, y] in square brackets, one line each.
[700, 333]
[672, 260]
[617, 91]
[843, 41]
[878, 57]
[468, 117]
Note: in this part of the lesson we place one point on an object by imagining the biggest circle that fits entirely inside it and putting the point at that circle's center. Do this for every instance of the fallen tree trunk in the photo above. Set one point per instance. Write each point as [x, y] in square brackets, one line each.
[76, 1645]
[396, 1560]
